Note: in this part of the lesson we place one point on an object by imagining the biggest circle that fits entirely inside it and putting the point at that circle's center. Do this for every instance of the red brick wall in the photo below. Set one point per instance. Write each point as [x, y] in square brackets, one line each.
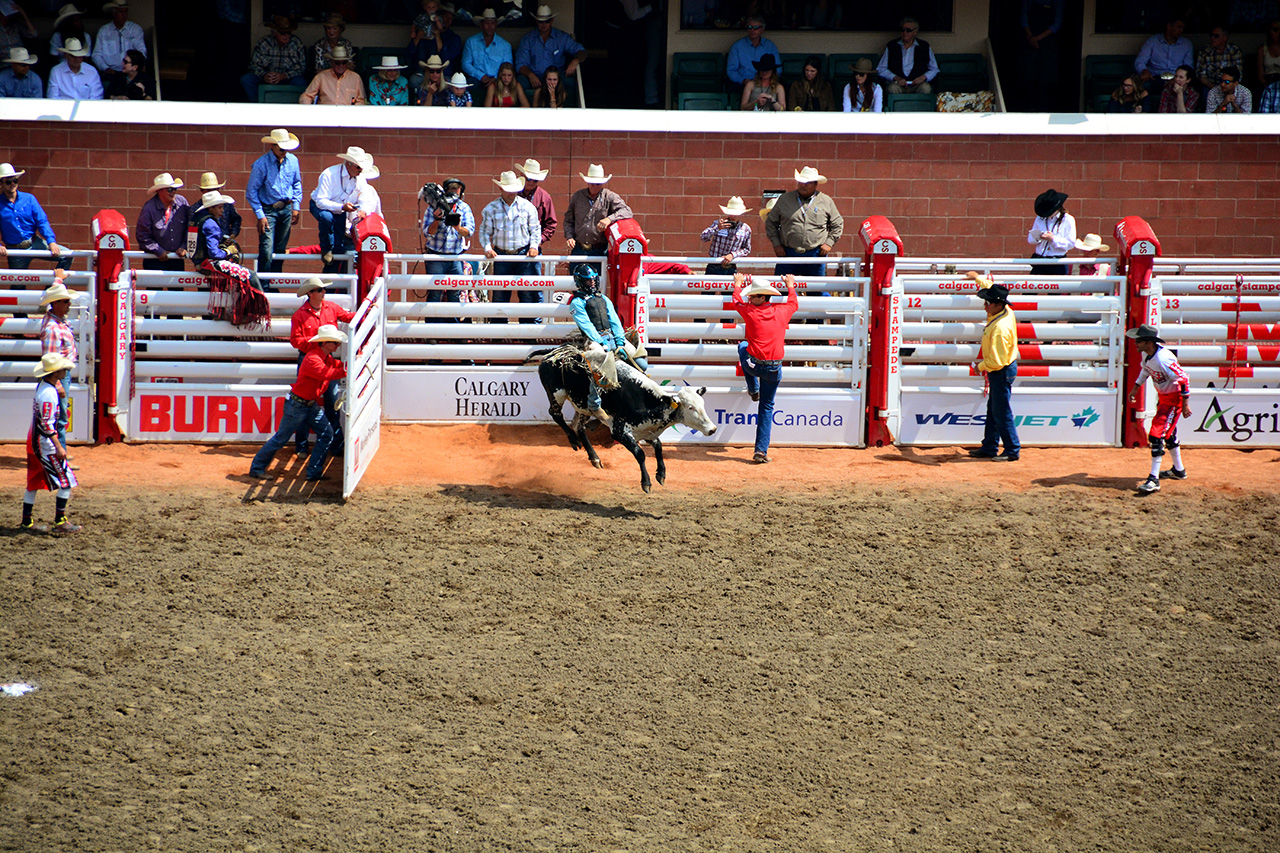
[947, 195]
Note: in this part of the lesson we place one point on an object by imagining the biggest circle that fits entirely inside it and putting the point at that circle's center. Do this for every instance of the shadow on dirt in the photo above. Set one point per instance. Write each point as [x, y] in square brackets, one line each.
[1119, 484]
[495, 497]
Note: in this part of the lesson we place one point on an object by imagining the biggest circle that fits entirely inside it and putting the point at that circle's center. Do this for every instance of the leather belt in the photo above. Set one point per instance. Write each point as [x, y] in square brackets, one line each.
[294, 398]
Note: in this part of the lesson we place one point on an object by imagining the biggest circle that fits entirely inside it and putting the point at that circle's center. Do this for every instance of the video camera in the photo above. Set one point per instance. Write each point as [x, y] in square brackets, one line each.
[435, 198]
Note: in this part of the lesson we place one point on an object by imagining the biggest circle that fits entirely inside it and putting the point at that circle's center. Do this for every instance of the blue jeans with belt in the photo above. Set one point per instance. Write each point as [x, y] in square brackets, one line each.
[527, 267]
[763, 379]
[453, 268]
[297, 414]
[1000, 426]
[275, 240]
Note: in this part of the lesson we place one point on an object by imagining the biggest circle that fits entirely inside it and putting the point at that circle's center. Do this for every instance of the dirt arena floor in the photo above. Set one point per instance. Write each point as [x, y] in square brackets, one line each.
[493, 646]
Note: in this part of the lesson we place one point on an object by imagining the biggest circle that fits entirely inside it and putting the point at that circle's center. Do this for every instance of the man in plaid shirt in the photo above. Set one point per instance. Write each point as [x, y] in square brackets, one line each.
[730, 238]
[509, 225]
[1215, 56]
[1270, 99]
[57, 337]
[1229, 96]
[278, 58]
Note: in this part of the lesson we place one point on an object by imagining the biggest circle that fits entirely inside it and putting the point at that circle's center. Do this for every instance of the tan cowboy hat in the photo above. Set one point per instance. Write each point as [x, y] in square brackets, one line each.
[115, 4]
[52, 362]
[67, 11]
[735, 207]
[389, 64]
[164, 181]
[357, 155]
[336, 20]
[764, 211]
[56, 293]
[1091, 242]
[7, 171]
[310, 284]
[286, 140]
[487, 14]
[595, 174]
[433, 63]
[862, 66]
[757, 288]
[533, 170]
[19, 56]
[808, 175]
[544, 13]
[73, 47]
[510, 182]
[209, 181]
[338, 54]
[459, 80]
[329, 332]
[213, 197]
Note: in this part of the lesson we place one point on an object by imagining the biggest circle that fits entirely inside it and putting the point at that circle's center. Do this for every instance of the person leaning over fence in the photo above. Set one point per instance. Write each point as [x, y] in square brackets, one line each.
[161, 228]
[1000, 365]
[804, 223]
[319, 368]
[729, 236]
[47, 466]
[23, 224]
[307, 320]
[761, 353]
[1053, 232]
[1174, 390]
[509, 226]
[58, 338]
[591, 211]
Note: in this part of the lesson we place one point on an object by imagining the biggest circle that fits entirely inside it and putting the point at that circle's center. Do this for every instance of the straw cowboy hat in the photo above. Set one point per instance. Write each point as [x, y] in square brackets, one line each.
[1091, 242]
[434, 63]
[1145, 333]
[73, 47]
[389, 64]
[808, 175]
[862, 66]
[164, 181]
[487, 14]
[595, 174]
[510, 182]
[764, 211]
[735, 207]
[1048, 202]
[67, 11]
[19, 56]
[459, 80]
[310, 284]
[115, 4]
[544, 13]
[329, 332]
[336, 20]
[286, 140]
[56, 292]
[52, 362]
[368, 170]
[7, 171]
[213, 197]
[357, 155]
[209, 181]
[533, 170]
[757, 288]
[338, 54]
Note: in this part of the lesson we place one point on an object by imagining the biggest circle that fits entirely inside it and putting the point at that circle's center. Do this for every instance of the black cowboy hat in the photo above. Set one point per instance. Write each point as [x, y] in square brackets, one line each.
[765, 63]
[995, 293]
[1144, 333]
[1049, 201]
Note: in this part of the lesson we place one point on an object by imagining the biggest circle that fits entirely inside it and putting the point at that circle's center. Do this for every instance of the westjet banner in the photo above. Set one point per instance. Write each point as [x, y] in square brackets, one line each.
[936, 417]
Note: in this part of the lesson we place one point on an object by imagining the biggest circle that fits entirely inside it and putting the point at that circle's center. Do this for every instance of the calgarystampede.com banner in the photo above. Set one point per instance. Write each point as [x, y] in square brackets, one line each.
[1014, 288]
[513, 283]
[1232, 287]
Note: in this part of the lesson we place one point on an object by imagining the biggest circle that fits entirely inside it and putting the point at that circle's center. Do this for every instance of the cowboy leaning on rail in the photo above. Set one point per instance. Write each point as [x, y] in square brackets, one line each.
[598, 320]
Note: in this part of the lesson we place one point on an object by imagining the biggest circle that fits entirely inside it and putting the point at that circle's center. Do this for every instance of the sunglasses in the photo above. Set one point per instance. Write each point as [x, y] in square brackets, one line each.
[755, 27]
[10, 182]
[910, 29]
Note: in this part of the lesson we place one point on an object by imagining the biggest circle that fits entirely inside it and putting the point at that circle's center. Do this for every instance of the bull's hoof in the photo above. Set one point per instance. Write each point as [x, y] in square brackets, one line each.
[646, 486]
[597, 463]
[662, 479]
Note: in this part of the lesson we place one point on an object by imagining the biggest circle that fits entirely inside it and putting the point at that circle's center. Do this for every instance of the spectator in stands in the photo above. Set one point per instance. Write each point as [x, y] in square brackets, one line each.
[729, 236]
[1162, 54]
[591, 211]
[445, 43]
[1216, 55]
[433, 92]
[15, 27]
[69, 24]
[132, 83]
[1180, 96]
[1038, 66]
[804, 223]
[763, 93]
[448, 234]
[908, 64]
[230, 220]
[305, 324]
[337, 84]
[458, 96]
[812, 93]
[416, 54]
[863, 95]
[274, 194]
[117, 38]
[426, 19]
[23, 224]
[1128, 96]
[748, 50]
[537, 195]
[386, 86]
[1269, 55]
[334, 26]
[1270, 102]
[70, 79]
[509, 226]
[1229, 96]
[330, 202]
[162, 225]
[547, 47]
[278, 58]
[484, 53]
[552, 91]
[18, 80]
[1053, 233]
[505, 91]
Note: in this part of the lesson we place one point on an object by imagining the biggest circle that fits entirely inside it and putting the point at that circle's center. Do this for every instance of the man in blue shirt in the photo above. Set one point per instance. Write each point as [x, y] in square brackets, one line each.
[1162, 54]
[274, 193]
[547, 47]
[18, 81]
[485, 51]
[23, 224]
[748, 49]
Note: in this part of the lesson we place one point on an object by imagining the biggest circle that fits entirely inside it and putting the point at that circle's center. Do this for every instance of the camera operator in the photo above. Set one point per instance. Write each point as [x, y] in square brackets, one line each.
[448, 226]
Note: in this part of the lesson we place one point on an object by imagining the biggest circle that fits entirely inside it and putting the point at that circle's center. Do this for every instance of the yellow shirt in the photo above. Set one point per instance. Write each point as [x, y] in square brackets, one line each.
[999, 341]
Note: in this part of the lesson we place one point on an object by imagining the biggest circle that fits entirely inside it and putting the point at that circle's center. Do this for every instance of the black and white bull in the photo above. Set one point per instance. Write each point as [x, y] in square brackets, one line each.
[640, 409]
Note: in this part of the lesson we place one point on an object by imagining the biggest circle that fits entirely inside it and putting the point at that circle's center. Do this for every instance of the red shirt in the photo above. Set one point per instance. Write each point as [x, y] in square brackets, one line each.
[766, 324]
[315, 373]
[307, 321]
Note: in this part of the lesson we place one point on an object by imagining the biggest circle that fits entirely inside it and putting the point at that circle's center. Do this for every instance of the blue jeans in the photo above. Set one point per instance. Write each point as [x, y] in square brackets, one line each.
[762, 379]
[333, 231]
[250, 83]
[38, 244]
[529, 267]
[295, 415]
[584, 250]
[453, 268]
[1000, 426]
[800, 269]
[275, 240]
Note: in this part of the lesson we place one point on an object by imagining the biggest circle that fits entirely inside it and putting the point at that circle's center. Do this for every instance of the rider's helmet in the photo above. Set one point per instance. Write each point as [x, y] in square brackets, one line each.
[586, 279]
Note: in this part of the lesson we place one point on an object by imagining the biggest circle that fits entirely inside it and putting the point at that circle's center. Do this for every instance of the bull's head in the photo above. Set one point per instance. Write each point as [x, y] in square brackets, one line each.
[692, 411]
[603, 368]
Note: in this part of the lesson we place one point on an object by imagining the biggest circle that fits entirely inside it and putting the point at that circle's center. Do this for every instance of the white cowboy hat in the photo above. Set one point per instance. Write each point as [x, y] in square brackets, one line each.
[115, 4]
[67, 11]
[73, 47]
[310, 284]
[544, 13]
[286, 140]
[389, 64]
[533, 170]
[434, 63]
[329, 332]
[764, 211]
[338, 54]
[757, 288]
[19, 56]
[357, 155]
[163, 181]
[7, 171]
[52, 362]
[209, 181]
[368, 170]
[510, 182]
[735, 207]
[595, 174]
[808, 175]
[213, 197]
[487, 14]
[1091, 242]
[459, 80]
[56, 293]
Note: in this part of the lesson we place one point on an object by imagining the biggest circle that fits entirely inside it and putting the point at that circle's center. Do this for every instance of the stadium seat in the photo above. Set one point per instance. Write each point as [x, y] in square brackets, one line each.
[961, 72]
[793, 66]
[910, 103]
[703, 101]
[1099, 103]
[696, 72]
[279, 93]
[1103, 73]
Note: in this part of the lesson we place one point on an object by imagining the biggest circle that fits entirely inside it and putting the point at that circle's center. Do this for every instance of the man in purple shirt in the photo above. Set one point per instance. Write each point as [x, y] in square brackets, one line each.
[534, 175]
[162, 225]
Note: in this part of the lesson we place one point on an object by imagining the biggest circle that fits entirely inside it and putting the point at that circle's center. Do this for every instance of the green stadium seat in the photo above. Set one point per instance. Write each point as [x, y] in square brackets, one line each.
[793, 66]
[1103, 73]
[279, 93]
[717, 101]
[696, 72]
[961, 72]
[910, 103]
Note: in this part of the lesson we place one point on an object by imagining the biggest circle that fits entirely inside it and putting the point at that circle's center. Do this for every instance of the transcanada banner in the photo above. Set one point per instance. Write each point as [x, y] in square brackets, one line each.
[931, 417]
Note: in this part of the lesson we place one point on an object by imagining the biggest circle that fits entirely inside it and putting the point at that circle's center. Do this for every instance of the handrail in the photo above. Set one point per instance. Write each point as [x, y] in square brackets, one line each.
[155, 61]
[993, 75]
[582, 94]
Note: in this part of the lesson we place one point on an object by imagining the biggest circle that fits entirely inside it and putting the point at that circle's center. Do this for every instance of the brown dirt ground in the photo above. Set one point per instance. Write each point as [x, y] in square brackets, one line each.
[493, 646]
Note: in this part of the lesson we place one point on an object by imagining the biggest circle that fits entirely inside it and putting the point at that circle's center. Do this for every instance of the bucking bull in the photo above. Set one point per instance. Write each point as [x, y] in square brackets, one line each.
[639, 408]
